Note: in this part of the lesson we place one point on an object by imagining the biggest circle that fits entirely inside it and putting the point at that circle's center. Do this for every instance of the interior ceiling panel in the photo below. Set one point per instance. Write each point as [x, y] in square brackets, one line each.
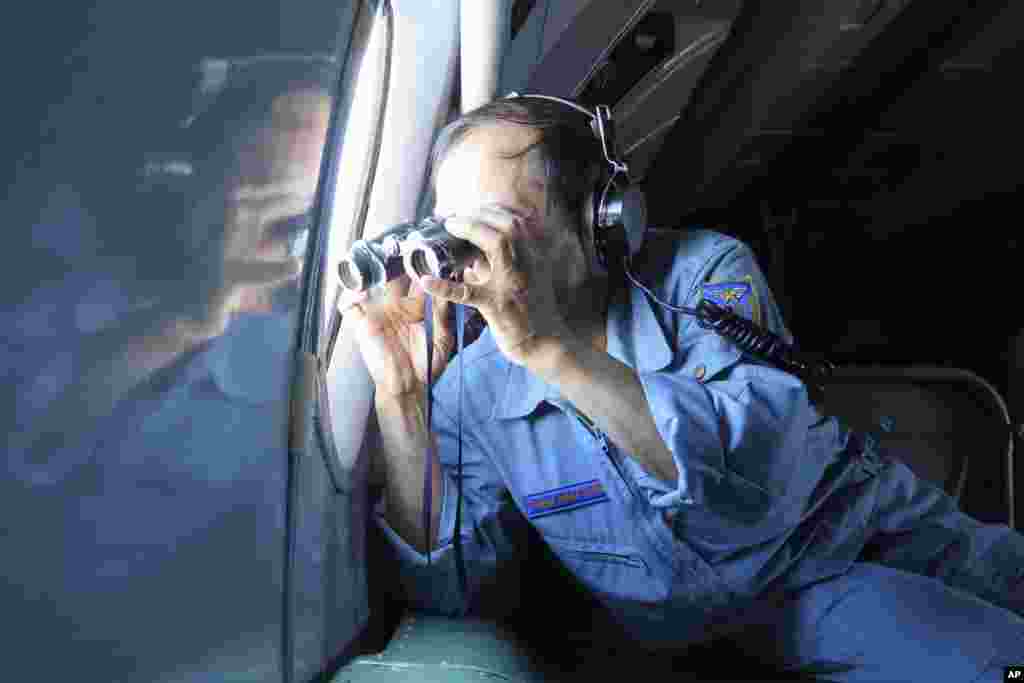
[662, 93]
[575, 56]
[844, 35]
[587, 42]
[1003, 32]
[971, 139]
[641, 153]
[900, 150]
[966, 83]
[649, 76]
[708, 96]
[721, 129]
[760, 70]
[560, 15]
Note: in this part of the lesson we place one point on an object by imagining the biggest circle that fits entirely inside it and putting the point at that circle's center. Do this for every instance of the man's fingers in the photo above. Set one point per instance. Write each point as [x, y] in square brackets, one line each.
[460, 293]
[400, 287]
[444, 337]
[464, 293]
[350, 298]
[495, 244]
[478, 272]
[506, 220]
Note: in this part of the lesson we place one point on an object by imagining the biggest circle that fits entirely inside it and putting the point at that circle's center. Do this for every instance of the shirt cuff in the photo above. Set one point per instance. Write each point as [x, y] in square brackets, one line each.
[672, 499]
[660, 494]
[688, 425]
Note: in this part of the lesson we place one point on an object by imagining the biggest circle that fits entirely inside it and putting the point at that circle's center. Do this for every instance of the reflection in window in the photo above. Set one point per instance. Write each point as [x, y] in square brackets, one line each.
[151, 384]
[209, 237]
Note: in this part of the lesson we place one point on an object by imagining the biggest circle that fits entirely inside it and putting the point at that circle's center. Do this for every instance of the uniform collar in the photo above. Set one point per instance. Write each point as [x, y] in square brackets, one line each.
[634, 337]
[252, 360]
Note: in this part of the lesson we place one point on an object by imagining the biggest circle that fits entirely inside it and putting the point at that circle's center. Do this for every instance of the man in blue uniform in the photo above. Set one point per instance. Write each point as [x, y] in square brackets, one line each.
[696, 492]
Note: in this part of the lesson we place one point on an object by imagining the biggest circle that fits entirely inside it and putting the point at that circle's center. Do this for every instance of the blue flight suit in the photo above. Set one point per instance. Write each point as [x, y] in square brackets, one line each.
[762, 537]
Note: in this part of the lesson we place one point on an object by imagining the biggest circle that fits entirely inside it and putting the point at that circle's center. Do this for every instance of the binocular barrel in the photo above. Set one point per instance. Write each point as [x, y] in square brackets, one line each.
[431, 249]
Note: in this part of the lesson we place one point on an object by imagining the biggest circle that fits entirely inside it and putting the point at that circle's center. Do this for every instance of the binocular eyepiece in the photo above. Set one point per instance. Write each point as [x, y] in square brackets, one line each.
[432, 251]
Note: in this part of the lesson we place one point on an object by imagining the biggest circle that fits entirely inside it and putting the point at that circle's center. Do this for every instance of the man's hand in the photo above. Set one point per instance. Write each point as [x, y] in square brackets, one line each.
[512, 286]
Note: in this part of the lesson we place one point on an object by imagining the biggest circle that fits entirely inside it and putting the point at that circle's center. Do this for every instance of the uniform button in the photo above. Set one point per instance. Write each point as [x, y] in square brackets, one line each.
[699, 373]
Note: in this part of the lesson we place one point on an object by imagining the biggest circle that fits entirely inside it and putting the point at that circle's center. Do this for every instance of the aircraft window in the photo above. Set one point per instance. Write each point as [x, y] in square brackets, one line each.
[149, 352]
[224, 193]
[357, 167]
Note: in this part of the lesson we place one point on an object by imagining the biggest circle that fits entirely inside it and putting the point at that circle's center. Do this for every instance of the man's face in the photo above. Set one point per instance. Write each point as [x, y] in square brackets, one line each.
[285, 162]
[475, 173]
[277, 180]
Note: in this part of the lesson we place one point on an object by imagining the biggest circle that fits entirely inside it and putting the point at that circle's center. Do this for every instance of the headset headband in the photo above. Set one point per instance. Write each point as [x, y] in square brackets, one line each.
[600, 123]
[613, 205]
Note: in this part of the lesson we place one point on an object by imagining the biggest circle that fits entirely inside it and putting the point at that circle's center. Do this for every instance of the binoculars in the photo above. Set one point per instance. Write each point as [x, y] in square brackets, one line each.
[432, 251]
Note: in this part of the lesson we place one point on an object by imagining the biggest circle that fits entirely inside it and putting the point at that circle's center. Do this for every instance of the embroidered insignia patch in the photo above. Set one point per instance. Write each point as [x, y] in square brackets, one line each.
[565, 498]
[738, 296]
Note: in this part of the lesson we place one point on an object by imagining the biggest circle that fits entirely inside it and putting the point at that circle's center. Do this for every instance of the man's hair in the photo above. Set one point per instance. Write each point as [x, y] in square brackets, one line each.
[572, 156]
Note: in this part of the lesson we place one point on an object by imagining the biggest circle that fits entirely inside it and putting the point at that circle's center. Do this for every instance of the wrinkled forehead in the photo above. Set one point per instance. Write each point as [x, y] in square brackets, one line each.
[486, 163]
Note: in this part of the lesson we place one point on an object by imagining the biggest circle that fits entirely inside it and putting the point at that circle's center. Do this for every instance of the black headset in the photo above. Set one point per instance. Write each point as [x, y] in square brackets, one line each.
[616, 208]
[618, 211]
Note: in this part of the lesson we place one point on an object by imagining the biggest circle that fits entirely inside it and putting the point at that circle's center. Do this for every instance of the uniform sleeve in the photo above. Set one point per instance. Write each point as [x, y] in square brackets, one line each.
[736, 441]
[734, 425]
[487, 541]
[739, 265]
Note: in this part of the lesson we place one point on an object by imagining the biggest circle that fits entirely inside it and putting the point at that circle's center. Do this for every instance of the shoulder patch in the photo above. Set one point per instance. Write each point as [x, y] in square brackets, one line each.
[739, 296]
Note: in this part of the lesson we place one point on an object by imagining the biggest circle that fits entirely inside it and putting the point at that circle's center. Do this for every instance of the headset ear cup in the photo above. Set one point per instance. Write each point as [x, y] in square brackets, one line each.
[623, 211]
[591, 228]
[634, 217]
[589, 209]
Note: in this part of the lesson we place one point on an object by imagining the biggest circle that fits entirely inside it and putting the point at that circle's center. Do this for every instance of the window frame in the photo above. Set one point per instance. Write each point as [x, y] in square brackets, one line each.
[350, 60]
[329, 320]
[422, 81]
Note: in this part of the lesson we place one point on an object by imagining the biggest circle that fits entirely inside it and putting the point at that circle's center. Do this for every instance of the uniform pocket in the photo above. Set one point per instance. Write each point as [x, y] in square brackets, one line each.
[613, 572]
[622, 579]
[613, 558]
